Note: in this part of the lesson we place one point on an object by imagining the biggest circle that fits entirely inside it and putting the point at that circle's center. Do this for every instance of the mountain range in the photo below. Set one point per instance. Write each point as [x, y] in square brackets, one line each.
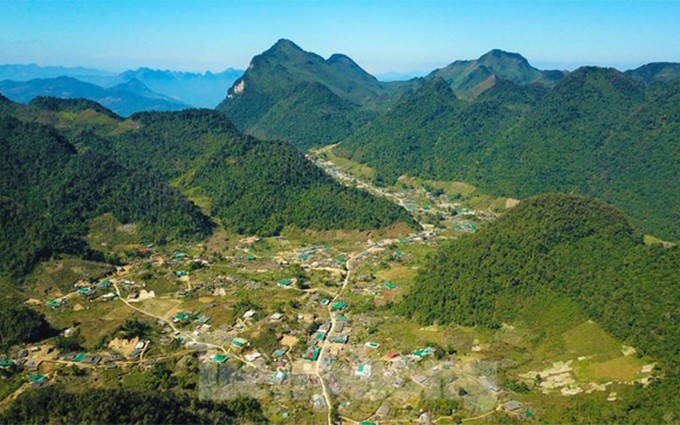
[70, 161]
[204, 90]
[124, 99]
[495, 122]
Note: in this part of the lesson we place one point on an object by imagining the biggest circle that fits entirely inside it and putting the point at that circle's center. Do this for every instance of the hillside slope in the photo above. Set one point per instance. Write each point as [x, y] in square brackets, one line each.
[597, 132]
[563, 247]
[290, 94]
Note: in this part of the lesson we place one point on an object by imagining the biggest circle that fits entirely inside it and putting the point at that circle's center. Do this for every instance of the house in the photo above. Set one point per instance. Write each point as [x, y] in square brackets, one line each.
[311, 354]
[339, 327]
[249, 314]
[277, 316]
[86, 291]
[56, 303]
[278, 377]
[363, 371]
[389, 285]
[37, 380]
[372, 345]
[218, 358]
[338, 339]
[338, 305]
[280, 352]
[512, 406]
[239, 343]
[284, 282]
[252, 356]
[391, 356]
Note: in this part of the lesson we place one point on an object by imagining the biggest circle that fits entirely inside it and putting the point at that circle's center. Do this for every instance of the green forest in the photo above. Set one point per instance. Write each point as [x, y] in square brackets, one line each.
[597, 132]
[562, 247]
[56, 405]
[67, 162]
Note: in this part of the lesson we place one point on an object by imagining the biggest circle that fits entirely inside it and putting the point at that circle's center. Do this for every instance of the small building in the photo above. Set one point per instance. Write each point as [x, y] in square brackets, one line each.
[252, 356]
[312, 354]
[338, 339]
[280, 352]
[363, 371]
[391, 356]
[239, 343]
[249, 314]
[339, 327]
[277, 316]
[86, 291]
[338, 305]
[512, 406]
[278, 377]
[56, 303]
[284, 282]
[372, 345]
[37, 380]
[218, 358]
[181, 273]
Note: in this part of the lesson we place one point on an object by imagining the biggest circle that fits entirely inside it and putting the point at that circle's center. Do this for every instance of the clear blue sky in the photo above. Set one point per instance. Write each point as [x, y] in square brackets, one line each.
[381, 36]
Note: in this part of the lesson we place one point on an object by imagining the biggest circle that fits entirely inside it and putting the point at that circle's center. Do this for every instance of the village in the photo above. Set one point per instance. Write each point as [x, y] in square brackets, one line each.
[304, 322]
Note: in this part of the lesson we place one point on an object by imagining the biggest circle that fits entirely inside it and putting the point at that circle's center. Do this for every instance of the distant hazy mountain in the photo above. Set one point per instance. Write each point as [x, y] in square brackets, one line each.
[32, 71]
[288, 93]
[124, 99]
[196, 89]
[469, 78]
[204, 90]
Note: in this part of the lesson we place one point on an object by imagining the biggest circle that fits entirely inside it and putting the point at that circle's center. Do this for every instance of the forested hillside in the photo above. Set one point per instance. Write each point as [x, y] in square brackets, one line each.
[297, 96]
[597, 132]
[48, 191]
[554, 247]
[55, 404]
[55, 181]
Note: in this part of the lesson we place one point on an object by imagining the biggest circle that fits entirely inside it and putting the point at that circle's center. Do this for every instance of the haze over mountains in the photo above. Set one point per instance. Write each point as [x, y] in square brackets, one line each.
[181, 89]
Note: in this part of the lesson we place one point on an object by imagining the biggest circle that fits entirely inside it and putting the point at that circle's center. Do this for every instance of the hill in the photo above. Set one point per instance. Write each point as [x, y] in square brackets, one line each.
[55, 181]
[597, 132]
[655, 72]
[49, 191]
[558, 247]
[125, 99]
[469, 78]
[290, 94]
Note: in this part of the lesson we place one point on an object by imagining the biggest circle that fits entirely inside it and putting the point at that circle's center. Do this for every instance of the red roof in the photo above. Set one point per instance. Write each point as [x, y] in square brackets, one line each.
[392, 354]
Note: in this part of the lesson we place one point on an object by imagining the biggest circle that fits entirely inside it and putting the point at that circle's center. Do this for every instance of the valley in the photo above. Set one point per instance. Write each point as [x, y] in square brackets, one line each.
[305, 323]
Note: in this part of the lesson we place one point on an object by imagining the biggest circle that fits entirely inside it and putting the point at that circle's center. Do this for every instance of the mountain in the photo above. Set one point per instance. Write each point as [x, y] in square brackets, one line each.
[18, 72]
[552, 262]
[655, 72]
[49, 190]
[124, 99]
[190, 88]
[54, 181]
[290, 94]
[597, 132]
[469, 78]
[202, 90]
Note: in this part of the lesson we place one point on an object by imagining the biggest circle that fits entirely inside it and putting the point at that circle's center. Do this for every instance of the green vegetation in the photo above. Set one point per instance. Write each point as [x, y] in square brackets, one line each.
[562, 247]
[55, 183]
[48, 191]
[54, 404]
[20, 324]
[597, 132]
[297, 96]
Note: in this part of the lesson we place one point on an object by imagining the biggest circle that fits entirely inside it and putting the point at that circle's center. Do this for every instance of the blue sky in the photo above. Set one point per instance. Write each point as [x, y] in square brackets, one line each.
[380, 35]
